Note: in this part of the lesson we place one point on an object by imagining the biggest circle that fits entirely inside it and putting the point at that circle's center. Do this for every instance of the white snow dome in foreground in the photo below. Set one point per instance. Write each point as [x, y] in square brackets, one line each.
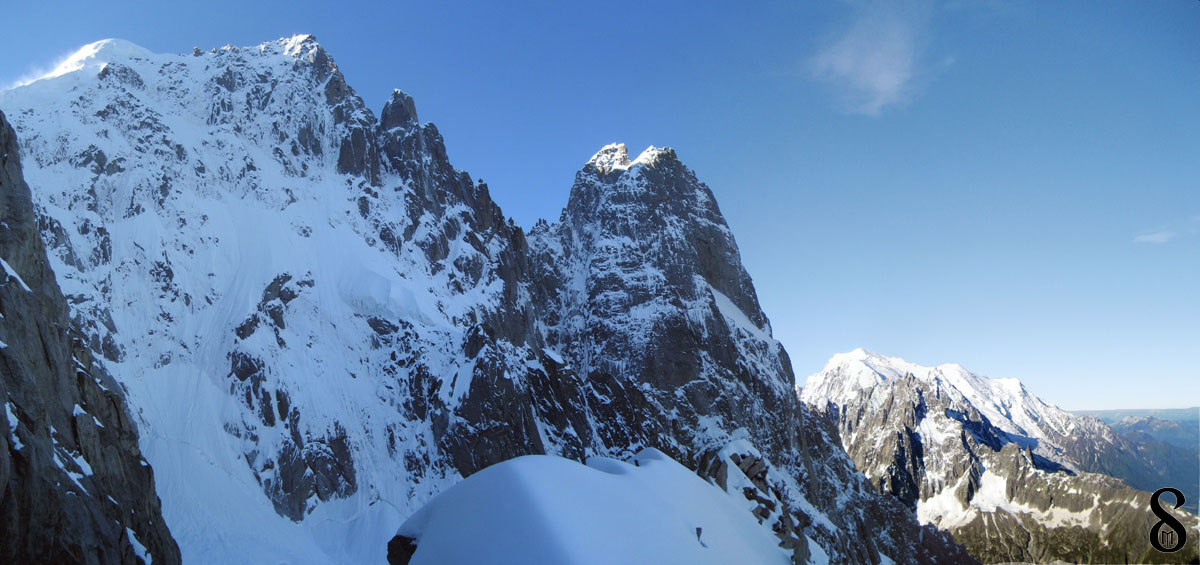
[545, 509]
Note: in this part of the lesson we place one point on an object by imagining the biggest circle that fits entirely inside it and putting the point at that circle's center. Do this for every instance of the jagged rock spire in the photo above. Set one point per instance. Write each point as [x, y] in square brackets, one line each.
[399, 112]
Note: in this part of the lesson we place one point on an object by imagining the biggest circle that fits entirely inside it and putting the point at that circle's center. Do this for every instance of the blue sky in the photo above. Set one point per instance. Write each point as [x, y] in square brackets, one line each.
[1013, 186]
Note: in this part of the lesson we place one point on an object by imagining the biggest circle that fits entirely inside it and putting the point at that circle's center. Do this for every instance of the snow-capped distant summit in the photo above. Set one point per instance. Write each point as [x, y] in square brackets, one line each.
[977, 456]
[1005, 402]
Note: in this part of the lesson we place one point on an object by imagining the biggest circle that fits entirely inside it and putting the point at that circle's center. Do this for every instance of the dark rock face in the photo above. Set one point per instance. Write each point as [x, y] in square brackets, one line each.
[399, 112]
[401, 550]
[75, 486]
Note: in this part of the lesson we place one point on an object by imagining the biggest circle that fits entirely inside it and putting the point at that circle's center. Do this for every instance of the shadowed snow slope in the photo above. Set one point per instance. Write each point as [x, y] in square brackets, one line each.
[544, 509]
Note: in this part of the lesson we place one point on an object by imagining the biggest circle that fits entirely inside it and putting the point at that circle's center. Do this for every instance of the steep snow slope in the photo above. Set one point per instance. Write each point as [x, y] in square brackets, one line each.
[1012, 477]
[321, 323]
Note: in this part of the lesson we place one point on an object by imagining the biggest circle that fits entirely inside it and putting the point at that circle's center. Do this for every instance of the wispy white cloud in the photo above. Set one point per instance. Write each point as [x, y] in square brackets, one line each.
[1156, 238]
[1171, 231]
[875, 62]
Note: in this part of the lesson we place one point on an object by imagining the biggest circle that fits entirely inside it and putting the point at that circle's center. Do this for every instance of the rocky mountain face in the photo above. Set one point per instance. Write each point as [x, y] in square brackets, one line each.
[321, 323]
[1011, 477]
[74, 487]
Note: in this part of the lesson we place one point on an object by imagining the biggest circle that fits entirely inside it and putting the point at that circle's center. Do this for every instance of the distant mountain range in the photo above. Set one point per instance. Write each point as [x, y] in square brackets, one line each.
[1011, 476]
[1173, 414]
[1176, 426]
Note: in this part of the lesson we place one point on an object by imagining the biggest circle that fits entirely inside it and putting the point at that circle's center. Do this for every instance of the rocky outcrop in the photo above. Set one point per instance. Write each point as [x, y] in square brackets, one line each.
[74, 487]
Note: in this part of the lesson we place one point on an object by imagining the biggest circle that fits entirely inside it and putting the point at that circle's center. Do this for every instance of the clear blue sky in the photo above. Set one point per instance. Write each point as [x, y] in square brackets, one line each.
[1013, 186]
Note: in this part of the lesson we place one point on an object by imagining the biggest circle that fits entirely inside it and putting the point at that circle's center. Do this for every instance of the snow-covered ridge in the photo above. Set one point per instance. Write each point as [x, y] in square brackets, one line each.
[614, 157]
[1006, 402]
[544, 509]
[93, 56]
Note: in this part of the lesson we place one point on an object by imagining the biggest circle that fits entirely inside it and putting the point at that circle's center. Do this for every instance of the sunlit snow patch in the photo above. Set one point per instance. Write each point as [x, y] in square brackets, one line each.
[11, 273]
[12, 425]
[138, 549]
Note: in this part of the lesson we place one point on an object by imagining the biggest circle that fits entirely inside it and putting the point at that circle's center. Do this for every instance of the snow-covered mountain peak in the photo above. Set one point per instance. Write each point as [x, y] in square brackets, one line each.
[858, 352]
[854, 371]
[953, 444]
[869, 368]
[100, 52]
[652, 155]
[1005, 402]
[94, 56]
[298, 44]
[862, 355]
[614, 158]
[610, 158]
